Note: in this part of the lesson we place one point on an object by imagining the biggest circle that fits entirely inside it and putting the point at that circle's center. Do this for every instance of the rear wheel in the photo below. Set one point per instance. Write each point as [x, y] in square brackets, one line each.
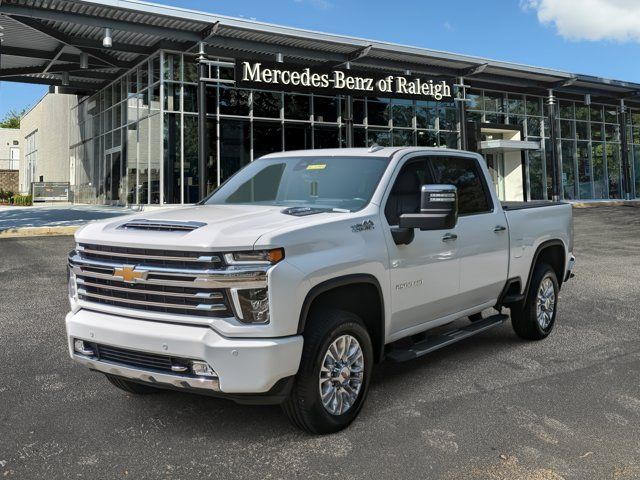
[534, 319]
[333, 380]
[131, 387]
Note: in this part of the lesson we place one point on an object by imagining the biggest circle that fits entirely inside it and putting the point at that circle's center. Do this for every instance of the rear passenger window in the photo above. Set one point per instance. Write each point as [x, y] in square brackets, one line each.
[473, 196]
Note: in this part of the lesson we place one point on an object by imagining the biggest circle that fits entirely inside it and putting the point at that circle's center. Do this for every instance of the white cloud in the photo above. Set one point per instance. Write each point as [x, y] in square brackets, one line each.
[321, 4]
[592, 20]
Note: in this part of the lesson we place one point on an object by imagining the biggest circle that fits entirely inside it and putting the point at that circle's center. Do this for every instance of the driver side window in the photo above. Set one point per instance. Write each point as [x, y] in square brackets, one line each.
[405, 193]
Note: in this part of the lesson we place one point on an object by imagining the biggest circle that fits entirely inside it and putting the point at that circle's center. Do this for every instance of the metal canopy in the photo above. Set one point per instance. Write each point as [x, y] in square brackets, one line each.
[504, 146]
[44, 38]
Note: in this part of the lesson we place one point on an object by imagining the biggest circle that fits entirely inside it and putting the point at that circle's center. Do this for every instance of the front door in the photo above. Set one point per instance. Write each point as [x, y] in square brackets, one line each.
[424, 275]
[483, 239]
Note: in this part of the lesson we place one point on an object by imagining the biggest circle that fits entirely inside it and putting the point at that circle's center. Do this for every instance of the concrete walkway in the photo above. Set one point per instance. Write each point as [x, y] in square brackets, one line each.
[62, 219]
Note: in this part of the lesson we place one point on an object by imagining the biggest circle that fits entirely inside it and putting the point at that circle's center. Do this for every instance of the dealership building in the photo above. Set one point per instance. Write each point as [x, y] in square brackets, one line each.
[169, 103]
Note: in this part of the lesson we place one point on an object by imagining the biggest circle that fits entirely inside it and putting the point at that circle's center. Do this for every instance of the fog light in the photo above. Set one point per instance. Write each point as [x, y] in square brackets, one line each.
[202, 369]
[252, 305]
[80, 347]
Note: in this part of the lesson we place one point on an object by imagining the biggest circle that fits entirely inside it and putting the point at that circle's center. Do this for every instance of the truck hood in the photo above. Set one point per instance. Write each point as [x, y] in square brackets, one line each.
[203, 227]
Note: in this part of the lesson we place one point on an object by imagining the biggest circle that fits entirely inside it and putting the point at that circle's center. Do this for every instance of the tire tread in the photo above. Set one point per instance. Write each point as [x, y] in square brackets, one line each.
[315, 333]
[523, 315]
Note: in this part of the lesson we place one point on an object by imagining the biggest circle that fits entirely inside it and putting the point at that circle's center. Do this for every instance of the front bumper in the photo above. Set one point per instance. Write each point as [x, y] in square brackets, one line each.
[243, 365]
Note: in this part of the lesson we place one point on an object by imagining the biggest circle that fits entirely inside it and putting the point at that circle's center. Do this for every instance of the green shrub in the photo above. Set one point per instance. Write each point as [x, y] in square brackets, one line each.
[22, 200]
[6, 195]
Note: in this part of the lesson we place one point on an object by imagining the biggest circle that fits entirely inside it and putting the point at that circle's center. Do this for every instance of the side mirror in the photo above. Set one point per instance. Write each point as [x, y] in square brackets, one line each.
[438, 209]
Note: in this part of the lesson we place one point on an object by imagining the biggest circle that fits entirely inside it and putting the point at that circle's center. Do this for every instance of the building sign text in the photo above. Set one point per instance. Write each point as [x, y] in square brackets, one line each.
[278, 76]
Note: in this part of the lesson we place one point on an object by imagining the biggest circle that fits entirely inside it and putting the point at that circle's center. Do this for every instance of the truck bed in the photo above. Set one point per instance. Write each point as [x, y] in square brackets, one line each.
[531, 204]
[531, 223]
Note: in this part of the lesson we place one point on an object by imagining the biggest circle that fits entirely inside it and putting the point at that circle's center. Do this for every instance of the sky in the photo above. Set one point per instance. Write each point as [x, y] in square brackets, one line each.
[595, 37]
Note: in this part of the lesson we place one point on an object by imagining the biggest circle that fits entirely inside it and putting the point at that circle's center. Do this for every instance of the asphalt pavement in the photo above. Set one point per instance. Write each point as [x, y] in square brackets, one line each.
[491, 407]
[64, 215]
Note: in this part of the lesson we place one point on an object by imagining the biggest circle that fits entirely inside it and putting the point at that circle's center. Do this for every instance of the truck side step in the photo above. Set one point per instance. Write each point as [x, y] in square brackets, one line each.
[435, 342]
[512, 298]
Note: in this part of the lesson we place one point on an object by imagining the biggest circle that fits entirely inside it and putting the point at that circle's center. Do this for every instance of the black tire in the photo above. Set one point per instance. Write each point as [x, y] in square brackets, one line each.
[475, 317]
[304, 406]
[131, 387]
[524, 318]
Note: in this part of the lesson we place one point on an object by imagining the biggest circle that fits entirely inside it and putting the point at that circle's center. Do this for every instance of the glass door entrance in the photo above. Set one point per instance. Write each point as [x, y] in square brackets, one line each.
[114, 187]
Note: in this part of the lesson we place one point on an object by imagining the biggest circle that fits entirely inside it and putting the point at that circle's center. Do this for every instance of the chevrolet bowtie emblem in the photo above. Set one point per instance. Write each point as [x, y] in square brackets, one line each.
[129, 273]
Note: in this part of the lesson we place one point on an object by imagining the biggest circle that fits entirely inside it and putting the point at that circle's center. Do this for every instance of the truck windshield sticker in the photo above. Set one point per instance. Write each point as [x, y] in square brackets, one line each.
[317, 166]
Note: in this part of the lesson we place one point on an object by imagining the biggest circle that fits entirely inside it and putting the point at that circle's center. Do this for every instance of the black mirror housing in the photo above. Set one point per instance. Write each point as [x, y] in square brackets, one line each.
[438, 209]
[402, 236]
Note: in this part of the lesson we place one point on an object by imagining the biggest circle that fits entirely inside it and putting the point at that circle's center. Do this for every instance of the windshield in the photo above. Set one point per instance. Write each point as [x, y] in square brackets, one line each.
[332, 183]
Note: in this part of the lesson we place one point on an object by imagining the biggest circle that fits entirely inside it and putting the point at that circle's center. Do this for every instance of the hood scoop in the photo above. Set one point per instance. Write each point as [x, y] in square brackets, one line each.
[303, 211]
[161, 225]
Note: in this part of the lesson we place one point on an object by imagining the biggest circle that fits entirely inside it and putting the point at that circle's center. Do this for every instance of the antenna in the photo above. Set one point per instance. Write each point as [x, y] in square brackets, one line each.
[374, 148]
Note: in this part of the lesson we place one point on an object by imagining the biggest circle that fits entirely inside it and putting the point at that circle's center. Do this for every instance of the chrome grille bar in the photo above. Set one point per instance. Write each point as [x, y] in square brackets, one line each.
[231, 277]
[203, 306]
[203, 258]
[198, 295]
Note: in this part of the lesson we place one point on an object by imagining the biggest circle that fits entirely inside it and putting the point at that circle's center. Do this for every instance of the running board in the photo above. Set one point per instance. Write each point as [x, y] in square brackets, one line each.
[435, 342]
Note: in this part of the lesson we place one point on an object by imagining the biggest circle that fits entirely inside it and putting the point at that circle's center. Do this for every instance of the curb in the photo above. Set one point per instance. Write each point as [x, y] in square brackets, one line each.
[38, 231]
[613, 203]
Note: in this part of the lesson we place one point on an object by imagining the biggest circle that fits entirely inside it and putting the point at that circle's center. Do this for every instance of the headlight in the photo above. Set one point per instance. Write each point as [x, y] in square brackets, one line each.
[255, 257]
[251, 305]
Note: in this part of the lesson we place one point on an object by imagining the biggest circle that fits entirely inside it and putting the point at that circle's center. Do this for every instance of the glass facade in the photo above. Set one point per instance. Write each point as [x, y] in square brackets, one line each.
[136, 141]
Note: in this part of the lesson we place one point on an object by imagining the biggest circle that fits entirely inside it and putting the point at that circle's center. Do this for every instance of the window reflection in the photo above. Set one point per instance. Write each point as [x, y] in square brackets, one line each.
[267, 138]
[235, 146]
[297, 107]
[325, 109]
[267, 104]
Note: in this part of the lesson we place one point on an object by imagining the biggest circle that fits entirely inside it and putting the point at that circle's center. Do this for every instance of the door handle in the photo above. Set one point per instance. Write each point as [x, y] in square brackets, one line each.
[447, 237]
[499, 228]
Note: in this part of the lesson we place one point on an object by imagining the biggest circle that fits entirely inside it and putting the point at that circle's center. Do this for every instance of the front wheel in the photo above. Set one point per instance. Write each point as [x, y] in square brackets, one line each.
[534, 319]
[333, 380]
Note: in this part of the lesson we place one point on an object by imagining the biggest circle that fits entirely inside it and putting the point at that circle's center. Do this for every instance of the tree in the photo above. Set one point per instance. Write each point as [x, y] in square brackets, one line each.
[12, 118]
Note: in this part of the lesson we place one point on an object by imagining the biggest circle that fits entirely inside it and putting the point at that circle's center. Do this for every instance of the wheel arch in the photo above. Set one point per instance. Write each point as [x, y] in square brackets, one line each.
[552, 252]
[360, 294]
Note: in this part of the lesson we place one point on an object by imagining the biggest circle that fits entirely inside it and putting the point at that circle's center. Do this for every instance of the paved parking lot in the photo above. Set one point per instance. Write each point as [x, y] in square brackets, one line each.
[47, 215]
[492, 407]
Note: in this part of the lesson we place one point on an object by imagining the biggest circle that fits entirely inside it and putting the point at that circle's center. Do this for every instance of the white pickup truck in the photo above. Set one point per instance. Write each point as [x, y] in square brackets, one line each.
[290, 281]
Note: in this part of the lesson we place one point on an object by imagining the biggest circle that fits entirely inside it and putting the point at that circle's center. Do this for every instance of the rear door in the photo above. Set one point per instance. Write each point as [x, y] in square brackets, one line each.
[424, 274]
[483, 238]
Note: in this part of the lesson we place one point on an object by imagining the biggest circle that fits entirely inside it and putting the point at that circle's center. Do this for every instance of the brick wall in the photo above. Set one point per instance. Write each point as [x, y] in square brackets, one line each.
[9, 180]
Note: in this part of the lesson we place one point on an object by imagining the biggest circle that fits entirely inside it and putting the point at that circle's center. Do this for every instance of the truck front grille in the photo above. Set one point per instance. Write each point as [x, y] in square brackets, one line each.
[186, 283]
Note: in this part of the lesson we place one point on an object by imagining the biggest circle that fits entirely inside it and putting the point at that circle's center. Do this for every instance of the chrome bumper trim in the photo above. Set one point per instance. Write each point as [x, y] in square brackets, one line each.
[148, 376]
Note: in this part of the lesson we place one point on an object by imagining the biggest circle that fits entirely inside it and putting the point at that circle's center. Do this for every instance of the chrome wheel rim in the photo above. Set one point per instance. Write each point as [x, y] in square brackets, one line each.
[341, 375]
[546, 304]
